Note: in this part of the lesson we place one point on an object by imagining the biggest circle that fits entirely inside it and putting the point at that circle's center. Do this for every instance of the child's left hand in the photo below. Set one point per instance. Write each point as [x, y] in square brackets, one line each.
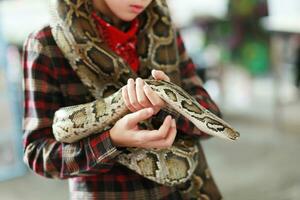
[137, 95]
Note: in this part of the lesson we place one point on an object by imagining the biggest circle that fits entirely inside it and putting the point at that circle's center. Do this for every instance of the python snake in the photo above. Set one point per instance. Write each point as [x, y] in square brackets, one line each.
[104, 73]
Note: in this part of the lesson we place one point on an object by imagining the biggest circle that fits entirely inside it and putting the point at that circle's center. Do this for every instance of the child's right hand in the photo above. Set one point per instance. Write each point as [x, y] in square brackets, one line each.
[126, 133]
[137, 95]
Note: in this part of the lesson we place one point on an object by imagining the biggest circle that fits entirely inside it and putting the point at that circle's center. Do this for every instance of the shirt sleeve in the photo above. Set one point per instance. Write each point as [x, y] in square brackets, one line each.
[42, 97]
[192, 83]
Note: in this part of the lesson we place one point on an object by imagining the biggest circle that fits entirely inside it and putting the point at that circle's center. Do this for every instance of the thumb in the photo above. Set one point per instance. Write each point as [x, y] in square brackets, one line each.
[134, 118]
[159, 75]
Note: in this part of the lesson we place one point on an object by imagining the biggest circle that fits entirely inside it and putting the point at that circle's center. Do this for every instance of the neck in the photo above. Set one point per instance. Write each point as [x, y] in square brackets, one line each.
[102, 7]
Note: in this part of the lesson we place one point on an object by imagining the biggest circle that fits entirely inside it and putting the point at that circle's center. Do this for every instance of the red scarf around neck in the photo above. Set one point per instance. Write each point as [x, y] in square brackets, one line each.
[122, 43]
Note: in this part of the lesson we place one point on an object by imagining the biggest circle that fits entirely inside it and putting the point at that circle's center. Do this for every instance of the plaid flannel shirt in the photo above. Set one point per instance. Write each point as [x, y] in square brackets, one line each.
[51, 83]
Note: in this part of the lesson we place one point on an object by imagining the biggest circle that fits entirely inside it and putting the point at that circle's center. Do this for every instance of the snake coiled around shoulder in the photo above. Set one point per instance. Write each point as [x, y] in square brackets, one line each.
[104, 73]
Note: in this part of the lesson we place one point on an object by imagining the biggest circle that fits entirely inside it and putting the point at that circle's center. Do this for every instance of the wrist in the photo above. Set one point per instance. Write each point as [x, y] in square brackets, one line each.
[118, 146]
[113, 138]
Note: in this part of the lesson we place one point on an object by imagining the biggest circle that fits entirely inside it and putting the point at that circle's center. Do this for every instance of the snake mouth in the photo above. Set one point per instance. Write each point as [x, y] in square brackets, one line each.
[234, 136]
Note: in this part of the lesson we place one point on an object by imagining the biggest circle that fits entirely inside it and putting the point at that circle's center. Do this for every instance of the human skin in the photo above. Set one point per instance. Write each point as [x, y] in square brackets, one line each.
[139, 98]
[144, 105]
[121, 10]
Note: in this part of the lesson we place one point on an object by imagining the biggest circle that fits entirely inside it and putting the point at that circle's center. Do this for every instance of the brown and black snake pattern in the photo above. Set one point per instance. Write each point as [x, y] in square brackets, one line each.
[104, 73]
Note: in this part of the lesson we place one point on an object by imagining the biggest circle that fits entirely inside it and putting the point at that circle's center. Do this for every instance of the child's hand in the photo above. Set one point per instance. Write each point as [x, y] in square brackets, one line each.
[137, 95]
[126, 133]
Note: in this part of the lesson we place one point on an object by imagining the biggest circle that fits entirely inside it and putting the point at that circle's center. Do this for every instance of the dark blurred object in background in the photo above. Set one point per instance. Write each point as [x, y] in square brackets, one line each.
[249, 42]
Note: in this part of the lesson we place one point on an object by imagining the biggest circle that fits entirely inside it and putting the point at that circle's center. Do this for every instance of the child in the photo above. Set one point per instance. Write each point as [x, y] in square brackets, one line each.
[50, 83]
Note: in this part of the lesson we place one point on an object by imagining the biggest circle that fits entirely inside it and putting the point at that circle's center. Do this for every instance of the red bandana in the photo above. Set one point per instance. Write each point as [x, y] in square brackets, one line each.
[122, 43]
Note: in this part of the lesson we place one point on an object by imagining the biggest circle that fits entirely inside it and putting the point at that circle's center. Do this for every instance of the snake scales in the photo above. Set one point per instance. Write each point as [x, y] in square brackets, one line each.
[75, 33]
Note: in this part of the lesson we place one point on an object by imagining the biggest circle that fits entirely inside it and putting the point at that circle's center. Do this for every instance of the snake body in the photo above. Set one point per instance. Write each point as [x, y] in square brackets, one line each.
[104, 73]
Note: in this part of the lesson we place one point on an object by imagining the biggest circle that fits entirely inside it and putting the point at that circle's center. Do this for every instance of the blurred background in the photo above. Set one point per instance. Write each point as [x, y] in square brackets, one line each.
[248, 53]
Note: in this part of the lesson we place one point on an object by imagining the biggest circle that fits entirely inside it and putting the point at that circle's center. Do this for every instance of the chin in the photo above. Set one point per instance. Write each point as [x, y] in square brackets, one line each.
[128, 18]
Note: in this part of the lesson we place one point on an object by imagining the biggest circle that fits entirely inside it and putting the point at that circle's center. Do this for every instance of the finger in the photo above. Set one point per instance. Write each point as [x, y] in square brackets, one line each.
[153, 97]
[132, 94]
[167, 142]
[159, 75]
[134, 118]
[126, 99]
[141, 97]
[155, 135]
[172, 134]
[164, 128]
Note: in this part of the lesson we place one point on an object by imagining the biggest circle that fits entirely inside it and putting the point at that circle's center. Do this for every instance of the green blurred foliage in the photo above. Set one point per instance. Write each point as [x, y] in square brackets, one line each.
[241, 37]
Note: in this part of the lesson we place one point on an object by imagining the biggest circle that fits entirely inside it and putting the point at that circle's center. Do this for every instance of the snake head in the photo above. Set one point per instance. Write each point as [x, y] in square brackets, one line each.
[233, 135]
